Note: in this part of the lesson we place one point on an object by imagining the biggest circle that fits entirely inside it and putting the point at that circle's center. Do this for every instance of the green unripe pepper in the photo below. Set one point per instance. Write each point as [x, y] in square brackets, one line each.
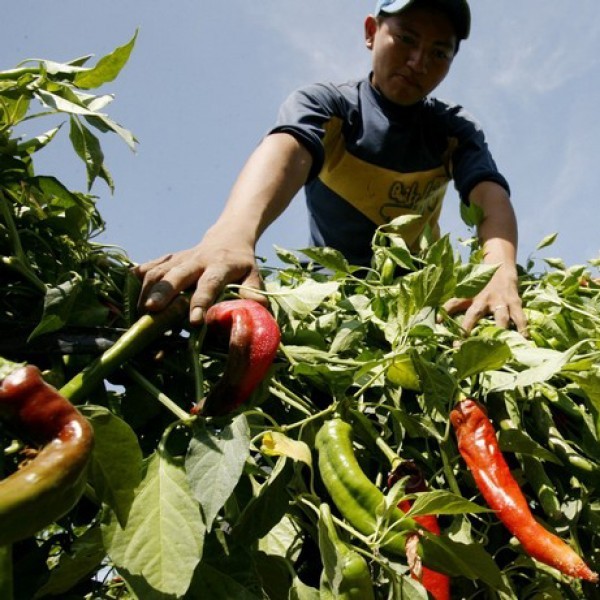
[355, 496]
[346, 574]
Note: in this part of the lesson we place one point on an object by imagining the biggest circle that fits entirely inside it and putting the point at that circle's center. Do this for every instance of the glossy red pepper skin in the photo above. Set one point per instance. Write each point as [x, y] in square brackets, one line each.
[479, 448]
[254, 337]
[49, 485]
[437, 584]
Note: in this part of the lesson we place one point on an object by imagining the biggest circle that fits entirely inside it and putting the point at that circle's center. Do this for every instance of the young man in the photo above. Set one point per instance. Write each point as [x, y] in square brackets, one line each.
[366, 152]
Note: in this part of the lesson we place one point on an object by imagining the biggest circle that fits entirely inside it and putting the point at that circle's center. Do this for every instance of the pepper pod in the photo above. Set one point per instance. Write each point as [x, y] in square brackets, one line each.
[253, 340]
[47, 486]
[478, 445]
[346, 574]
[437, 584]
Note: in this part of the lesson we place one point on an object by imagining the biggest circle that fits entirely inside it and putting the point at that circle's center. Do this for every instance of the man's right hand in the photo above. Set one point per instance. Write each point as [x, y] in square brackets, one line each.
[208, 267]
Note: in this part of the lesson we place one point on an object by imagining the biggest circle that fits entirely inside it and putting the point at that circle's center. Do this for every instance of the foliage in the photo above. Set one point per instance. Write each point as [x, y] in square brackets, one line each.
[182, 507]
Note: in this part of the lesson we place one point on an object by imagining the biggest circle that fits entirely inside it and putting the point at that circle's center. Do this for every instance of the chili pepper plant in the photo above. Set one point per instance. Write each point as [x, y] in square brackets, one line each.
[214, 470]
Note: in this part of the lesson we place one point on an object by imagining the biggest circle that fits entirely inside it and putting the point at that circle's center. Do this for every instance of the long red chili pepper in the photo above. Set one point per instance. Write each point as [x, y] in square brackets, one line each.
[254, 338]
[437, 584]
[479, 448]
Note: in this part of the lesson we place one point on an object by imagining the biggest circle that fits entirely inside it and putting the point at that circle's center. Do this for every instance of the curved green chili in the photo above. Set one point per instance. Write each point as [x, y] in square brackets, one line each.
[346, 573]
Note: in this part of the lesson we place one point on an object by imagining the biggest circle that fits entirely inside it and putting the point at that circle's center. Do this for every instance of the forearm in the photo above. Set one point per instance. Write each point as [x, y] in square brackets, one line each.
[270, 179]
[498, 234]
[498, 229]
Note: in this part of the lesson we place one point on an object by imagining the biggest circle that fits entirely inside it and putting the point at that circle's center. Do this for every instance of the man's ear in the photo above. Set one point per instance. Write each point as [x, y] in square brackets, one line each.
[370, 31]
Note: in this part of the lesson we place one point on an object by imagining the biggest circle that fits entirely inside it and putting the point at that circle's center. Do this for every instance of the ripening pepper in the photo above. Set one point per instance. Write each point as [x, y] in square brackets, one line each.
[253, 338]
[437, 584]
[478, 445]
[48, 485]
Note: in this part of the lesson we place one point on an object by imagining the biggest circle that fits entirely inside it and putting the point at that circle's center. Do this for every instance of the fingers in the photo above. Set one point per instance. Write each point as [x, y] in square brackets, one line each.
[518, 317]
[501, 315]
[212, 283]
[163, 279]
[457, 305]
[475, 309]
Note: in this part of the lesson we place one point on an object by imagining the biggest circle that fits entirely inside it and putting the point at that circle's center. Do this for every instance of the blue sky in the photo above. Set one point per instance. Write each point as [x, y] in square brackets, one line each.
[206, 78]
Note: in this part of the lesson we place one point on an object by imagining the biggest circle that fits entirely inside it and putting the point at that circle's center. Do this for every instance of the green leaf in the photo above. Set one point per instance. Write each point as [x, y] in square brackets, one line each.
[107, 68]
[348, 336]
[425, 288]
[215, 462]
[301, 591]
[267, 508]
[440, 502]
[555, 263]
[59, 103]
[37, 143]
[304, 298]
[476, 355]
[85, 554]
[513, 440]
[457, 558]
[547, 241]
[472, 278]
[58, 303]
[437, 383]
[164, 536]
[115, 443]
[87, 147]
[219, 585]
[471, 214]
[543, 372]
[105, 124]
[329, 258]
[329, 547]
[284, 540]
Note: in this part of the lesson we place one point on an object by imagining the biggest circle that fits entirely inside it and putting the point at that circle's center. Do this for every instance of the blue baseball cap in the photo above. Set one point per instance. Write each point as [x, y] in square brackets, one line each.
[457, 10]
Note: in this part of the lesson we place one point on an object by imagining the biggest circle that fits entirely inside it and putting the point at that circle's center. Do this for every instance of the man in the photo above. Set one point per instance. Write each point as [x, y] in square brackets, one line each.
[366, 152]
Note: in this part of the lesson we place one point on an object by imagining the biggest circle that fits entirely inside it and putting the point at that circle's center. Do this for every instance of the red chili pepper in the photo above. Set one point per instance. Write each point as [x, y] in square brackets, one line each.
[254, 338]
[479, 448]
[49, 485]
[437, 584]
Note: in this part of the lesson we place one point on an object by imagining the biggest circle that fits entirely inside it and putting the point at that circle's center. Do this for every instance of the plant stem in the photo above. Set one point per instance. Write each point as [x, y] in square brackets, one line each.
[196, 342]
[281, 391]
[144, 331]
[181, 414]
[315, 417]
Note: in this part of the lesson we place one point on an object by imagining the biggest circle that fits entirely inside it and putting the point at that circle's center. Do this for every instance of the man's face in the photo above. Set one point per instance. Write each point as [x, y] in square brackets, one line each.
[412, 52]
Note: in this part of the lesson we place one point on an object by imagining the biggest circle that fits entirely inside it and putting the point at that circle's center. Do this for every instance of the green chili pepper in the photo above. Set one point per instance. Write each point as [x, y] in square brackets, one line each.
[388, 270]
[346, 574]
[582, 465]
[355, 496]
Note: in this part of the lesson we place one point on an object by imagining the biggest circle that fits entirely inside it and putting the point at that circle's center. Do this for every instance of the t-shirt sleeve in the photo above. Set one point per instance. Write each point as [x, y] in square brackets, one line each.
[471, 161]
[304, 115]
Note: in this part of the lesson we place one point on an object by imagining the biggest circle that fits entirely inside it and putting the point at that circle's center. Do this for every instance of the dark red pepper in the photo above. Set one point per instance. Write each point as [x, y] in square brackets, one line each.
[437, 584]
[253, 338]
[48, 485]
[479, 448]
